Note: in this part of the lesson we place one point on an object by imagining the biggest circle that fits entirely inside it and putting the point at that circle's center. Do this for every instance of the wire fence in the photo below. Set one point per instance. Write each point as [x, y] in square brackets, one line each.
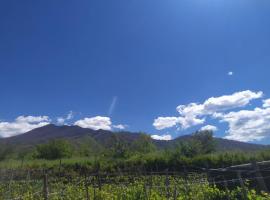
[45, 185]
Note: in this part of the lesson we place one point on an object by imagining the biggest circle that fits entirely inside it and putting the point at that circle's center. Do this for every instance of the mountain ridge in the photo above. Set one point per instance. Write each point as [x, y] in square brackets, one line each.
[103, 137]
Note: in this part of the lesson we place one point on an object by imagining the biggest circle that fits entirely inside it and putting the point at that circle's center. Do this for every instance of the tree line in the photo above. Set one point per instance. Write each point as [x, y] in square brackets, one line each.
[199, 150]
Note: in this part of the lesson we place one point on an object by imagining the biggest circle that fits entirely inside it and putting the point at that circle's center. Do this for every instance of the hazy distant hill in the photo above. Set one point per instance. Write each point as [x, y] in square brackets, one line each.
[102, 138]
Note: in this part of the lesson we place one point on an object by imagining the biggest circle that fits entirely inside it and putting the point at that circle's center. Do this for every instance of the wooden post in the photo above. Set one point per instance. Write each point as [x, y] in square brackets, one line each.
[244, 191]
[151, 183]
[45, 187]
[99, 181]
[186, 180]
[259, 177]
[10, 184]
[226, 188]
[86, 188]
[167, 183]
[145, 190]
[208, 174]
[94, 191]
[175, 193]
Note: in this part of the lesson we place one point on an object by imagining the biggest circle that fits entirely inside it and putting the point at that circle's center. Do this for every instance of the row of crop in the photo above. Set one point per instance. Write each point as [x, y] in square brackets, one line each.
[156, 188]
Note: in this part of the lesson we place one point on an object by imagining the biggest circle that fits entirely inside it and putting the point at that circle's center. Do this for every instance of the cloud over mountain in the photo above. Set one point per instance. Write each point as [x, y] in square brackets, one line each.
[244, 125]
[162, 137]
[247, 125]
[22, 124]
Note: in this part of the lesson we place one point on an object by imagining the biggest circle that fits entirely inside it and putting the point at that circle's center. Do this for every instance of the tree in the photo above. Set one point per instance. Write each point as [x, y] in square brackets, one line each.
[200, 142]
[143, 145]
[55, 149]
[206, 140]
[5, 151]
[120, 148]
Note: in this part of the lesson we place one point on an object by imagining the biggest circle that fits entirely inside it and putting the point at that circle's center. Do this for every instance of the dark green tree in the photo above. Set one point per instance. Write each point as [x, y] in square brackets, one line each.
[143, 145]
[5, 152]
[119, 147]
[55, 149]
[206, 140]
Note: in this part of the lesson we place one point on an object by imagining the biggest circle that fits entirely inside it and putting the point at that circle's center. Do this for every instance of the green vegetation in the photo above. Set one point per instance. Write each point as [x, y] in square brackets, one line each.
[140, 155]
[123, 188]
[196, 152]
[55, 149]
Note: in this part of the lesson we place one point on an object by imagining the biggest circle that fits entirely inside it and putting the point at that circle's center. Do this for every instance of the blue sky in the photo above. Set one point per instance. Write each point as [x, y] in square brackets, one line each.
[131, 61]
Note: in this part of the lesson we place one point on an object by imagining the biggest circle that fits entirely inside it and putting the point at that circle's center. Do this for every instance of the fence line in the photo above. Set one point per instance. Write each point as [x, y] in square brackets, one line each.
[98, 179]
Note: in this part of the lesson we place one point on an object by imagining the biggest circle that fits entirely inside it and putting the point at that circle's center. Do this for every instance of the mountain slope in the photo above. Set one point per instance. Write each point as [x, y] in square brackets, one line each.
[77, 135]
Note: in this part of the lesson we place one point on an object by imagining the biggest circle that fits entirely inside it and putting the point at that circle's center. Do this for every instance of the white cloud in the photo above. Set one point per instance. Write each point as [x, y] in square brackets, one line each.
[161, 137]
[60, 120]
[120, 126]
[22, 124]
[230, 73]
[165, 122]
[32, 119]
[266, 103]
[227, 102]
[63, 120]
[194, 113]
[99, 122]
[247, 125]
[209, 128]
[95, 123]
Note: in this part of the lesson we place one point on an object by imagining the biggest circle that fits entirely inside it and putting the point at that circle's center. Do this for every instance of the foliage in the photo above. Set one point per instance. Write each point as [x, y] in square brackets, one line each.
[143, 145]
[120, 148]
[124, 188]
[55, 149]
[5, 151]
[205, 140]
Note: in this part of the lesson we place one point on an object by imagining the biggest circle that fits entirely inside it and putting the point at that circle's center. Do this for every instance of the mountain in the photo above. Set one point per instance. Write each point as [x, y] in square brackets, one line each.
[227, 145]
[103, 139]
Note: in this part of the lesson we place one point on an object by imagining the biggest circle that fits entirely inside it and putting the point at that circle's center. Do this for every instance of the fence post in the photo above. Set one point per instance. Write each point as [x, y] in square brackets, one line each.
[94, 191]
[151, 183]
[45, 187]
[10, 182]
[86, 188]
[226, 188]
[186, 180]
[259, 177]
[244, 191]
[175, 193]
[208, 174]
[167, 185]
[99, 181]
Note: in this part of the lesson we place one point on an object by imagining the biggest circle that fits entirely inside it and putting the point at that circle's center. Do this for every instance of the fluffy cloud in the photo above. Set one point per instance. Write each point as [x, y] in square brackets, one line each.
[194, 113]
[161, 137]
[266, 103]
[99, 122]
[247, 125]
[165, 122]
[95, 123]
[227, 102]
[22, 124]
[32, 119]
[120, 126]
[209, 128]
[218, 104]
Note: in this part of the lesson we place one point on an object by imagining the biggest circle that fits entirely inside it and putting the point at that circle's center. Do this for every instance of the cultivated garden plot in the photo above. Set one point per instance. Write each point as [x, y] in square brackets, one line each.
[153, 186]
